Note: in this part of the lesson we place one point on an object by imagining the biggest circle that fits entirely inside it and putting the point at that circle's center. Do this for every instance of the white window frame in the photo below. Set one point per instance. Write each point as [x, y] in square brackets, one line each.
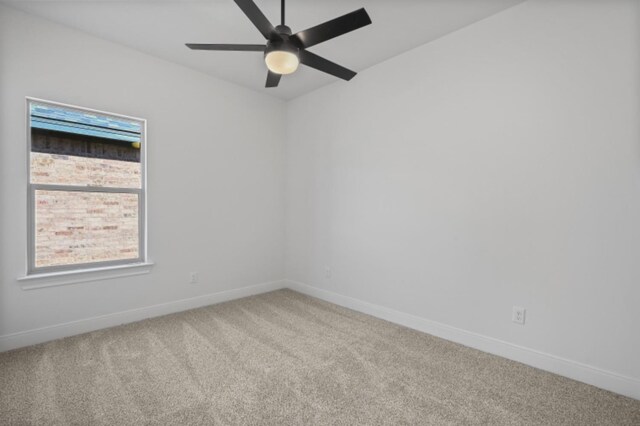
[142, 258]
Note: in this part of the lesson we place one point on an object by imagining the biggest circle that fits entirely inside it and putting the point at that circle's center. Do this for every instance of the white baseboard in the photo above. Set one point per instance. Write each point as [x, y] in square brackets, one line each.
[604, 379]
[58, 331]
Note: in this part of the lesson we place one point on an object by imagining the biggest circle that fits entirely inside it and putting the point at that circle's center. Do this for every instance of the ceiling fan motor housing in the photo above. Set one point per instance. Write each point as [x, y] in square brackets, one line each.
[281, 45]
[283, 42]
[283, 30]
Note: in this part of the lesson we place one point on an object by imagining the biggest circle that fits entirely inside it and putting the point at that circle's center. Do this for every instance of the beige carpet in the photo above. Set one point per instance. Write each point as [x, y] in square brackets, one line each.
[283, 358]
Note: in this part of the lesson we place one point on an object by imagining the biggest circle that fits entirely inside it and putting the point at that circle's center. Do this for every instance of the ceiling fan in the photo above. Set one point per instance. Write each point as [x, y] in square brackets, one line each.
[284, 51]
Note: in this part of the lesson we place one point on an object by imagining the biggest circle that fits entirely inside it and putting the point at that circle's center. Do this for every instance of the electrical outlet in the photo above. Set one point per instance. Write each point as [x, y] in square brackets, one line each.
[327, 272]
[518, 315]
[193, 278]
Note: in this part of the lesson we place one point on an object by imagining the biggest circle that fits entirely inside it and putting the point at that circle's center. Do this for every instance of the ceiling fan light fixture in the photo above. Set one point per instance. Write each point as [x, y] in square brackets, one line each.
[284, 51]
[282, 61]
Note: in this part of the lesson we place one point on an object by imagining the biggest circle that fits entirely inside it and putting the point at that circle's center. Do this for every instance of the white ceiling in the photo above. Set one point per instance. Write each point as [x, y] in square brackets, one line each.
[161, 27]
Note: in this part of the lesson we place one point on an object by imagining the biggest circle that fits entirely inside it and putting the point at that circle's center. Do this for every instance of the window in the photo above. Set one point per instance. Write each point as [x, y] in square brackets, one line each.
[86, 188]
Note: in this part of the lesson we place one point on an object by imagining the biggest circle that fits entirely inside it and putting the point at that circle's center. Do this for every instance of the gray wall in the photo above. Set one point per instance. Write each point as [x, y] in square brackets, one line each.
[215, 198]
[496, 166]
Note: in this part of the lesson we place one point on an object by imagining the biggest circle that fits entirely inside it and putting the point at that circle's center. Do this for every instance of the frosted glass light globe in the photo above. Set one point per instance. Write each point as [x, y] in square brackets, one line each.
[282, 62]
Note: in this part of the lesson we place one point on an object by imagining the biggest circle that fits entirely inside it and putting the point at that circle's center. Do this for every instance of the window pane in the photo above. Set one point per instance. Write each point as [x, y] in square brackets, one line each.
[82, 171]
[81, 148]
[73, 227]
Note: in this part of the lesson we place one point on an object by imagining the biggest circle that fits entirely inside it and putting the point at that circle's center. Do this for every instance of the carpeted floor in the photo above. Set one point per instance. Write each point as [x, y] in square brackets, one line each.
[283, 358]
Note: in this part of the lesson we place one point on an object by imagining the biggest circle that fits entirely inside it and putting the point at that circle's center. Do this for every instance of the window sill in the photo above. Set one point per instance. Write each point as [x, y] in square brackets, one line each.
[53, 279]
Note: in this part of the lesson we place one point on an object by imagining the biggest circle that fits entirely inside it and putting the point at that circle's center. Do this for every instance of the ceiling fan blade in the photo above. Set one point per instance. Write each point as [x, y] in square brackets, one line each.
[318, 62]
[228, 47]
[273, 79]
[334, 28]
[257, 17]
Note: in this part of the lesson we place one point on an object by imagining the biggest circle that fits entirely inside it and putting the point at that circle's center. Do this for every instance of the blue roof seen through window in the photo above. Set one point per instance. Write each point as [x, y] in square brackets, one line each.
[65, 120]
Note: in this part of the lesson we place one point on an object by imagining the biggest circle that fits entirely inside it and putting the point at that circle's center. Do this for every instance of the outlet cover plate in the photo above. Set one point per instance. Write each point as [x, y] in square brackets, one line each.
[518, 315]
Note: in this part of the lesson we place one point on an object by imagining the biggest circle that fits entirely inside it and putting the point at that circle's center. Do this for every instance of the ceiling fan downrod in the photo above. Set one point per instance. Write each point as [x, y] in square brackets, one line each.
[282, 12]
